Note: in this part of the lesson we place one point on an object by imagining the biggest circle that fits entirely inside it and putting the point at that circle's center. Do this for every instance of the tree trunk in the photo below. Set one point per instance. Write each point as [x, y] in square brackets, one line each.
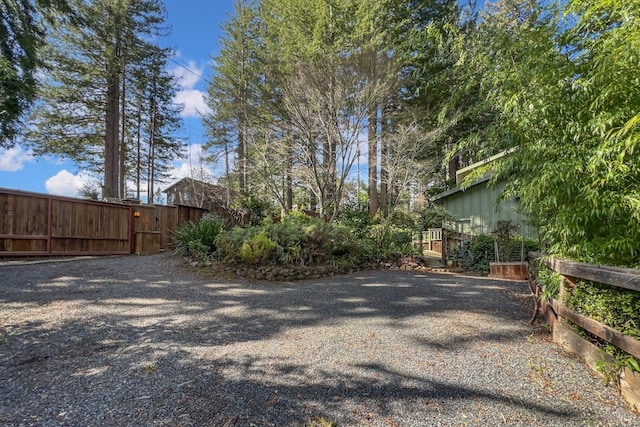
[121, 157]
[139, 153]
[289, 183]
[372, 132]
[386, 151]
[152, 153]
[111, 143]
[228, 175]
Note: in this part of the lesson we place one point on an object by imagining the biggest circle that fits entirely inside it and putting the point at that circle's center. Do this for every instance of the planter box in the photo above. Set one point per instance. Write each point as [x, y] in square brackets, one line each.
[509, 270]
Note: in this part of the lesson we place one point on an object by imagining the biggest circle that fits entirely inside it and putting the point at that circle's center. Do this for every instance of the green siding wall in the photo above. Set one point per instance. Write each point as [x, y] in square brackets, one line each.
[478, 210]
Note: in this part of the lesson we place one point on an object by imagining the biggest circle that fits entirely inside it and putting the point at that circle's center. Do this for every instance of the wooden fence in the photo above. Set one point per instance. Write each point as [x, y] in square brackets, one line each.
[557, 315]
[34, 224]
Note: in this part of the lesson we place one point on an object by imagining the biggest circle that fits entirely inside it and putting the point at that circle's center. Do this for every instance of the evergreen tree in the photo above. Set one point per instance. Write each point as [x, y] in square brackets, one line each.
[232, 94]
[83, 94]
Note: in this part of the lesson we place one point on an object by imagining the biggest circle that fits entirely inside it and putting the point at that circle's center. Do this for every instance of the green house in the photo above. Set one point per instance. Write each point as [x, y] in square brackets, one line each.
[478, 208]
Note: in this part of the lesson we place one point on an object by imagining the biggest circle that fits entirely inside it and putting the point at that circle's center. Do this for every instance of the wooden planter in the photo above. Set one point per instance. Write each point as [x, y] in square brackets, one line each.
[509, 270]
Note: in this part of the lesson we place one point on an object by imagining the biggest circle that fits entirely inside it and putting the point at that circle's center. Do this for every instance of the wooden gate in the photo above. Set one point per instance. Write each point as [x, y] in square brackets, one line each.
[37, 224]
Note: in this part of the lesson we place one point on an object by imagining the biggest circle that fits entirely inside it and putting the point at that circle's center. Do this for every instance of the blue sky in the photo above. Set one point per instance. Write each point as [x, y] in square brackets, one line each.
[194, 36]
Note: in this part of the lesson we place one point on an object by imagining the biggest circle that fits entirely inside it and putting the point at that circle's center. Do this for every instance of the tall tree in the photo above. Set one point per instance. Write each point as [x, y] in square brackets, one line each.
[80, 116]
[154, 122]
[233, 89]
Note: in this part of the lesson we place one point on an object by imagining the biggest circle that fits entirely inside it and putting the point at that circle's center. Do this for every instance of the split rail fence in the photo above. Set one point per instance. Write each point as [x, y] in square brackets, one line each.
[557, 314]
[34, 224]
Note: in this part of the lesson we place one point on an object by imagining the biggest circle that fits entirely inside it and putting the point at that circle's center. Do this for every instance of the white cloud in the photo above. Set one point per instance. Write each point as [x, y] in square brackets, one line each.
[192, 166]
[193, 102]
[191, 98]
[13, 159]
[188, 76]
[64, 183]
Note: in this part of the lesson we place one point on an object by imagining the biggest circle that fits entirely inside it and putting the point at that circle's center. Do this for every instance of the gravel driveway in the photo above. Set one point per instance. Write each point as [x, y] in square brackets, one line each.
[145, 341]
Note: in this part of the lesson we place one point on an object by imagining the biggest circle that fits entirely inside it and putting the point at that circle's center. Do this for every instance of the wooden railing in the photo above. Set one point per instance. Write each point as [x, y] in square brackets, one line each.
[557, 315]
[432, 234]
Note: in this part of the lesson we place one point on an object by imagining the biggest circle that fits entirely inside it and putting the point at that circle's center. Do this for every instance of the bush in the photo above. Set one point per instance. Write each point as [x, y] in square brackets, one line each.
[228, 243]
[198, 238]
[403, 219]
[618, 308]
[390, 240]
[300, 239]
[482, 248]
[615, 307]
[357, 219]
[258, 249]
[286, 233]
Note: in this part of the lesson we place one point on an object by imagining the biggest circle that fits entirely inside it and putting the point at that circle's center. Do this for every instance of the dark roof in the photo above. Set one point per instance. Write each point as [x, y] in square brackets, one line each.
[191, 181]
[455, 190]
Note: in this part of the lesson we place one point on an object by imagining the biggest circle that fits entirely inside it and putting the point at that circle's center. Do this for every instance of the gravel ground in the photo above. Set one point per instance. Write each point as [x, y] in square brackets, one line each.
[146, 341]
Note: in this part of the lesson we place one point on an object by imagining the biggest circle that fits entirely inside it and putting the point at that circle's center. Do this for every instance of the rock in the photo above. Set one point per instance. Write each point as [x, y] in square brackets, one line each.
[194, 263]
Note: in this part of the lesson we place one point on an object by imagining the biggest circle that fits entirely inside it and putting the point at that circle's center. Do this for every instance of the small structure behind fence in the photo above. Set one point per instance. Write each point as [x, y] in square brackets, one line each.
[34, 224]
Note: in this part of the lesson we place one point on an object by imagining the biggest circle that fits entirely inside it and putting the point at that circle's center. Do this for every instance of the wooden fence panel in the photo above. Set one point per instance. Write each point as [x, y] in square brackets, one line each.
[39, 224]
[23, 223]
[36, 224]
[79, 226]
[146, 230]
[556, 311]
[168, 220]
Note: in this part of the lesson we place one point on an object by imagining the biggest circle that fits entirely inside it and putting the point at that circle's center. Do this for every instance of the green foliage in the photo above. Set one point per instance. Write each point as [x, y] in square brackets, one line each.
[618, 308]
[434, 216]
[355, 217]
[288, 233]
[258, 250]
[22, 34]
[390, 240]
[482, 248]
[228, 243]
[303, 240]
[198, 238]
[403, 219]
[560, 83]
[549, 281]
[615, 307]
[259, 209]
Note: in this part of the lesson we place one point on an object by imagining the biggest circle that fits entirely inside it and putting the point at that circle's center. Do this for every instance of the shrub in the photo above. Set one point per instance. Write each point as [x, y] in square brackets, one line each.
[228, 243]
[198, 238]
[403, 219]
[318, 233]
[357, 219]
[618, 308]
[286, 233]
[258, 208]
[258, 249]
[390, 240]
[482, 248]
